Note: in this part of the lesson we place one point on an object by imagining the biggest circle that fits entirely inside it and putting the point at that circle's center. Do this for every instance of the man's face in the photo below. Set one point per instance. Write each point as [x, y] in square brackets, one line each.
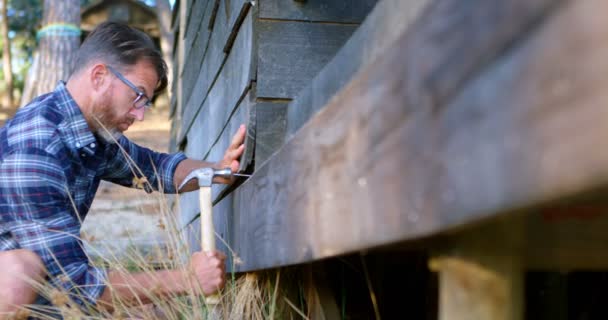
[115, 112]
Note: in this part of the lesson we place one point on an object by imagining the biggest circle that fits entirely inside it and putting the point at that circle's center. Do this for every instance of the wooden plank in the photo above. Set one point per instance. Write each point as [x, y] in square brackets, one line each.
[195, 52]
[230, 87]
[236, 11]
[343, 11]
[223, 210]
[240, 115]
[469, 290]
[188, 4]
[481, 271]
[213, 61]
[380, 29]
[292, 53]
[271, 122]
[197, 15]
[384, 163]
[179, 64]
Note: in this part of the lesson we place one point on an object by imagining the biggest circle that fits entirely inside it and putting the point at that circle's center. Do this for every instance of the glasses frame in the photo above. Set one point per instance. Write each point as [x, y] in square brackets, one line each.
[140, 94]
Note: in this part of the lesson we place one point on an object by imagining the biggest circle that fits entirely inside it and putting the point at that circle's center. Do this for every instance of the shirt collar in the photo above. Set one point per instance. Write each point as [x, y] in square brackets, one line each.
[78, 135]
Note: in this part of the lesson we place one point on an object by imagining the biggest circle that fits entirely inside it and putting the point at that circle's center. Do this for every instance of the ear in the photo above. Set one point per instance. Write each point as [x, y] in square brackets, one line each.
[98, 75]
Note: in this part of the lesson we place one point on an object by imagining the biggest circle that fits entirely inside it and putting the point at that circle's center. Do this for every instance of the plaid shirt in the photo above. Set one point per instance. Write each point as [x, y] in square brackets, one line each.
[50, 167]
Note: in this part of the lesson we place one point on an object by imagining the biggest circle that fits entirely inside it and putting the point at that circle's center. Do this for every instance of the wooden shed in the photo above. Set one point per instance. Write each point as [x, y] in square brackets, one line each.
[132, 12]
[447, 148]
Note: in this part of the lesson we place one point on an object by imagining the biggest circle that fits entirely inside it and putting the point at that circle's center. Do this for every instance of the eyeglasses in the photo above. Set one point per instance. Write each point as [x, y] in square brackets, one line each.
[141, 101]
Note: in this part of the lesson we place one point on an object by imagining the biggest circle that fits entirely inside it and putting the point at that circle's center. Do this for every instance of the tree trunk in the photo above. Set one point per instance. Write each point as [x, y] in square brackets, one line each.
[163, 11]
[6, 58]
[59, 39]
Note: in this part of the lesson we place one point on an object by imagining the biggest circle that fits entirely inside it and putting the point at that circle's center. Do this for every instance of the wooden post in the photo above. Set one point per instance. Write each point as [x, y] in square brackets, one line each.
[481, 273]
[471, 290]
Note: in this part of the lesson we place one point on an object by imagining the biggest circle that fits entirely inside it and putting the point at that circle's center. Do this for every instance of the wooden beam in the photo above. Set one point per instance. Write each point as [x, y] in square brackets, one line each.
[469, 290]
[336, 11]
[209, 73]
[481, 271]
[224, 96]
[385, 162]
[381, 28]
[291, 53]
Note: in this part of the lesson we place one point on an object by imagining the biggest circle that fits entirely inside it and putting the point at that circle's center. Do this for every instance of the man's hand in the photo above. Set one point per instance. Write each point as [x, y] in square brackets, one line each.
[234, 151]
[210, 270]
[230, 160]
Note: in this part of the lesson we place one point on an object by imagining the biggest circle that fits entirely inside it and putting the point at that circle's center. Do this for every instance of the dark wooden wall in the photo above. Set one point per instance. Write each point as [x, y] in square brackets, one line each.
[243, 63]
[470, 130]
[427, 121]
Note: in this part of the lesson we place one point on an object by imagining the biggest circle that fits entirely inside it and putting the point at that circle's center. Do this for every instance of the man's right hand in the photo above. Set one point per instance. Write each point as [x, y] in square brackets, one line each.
[210, 270]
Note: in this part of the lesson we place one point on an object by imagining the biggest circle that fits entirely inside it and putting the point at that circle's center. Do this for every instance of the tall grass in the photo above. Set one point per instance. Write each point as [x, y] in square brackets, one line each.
[249, 296]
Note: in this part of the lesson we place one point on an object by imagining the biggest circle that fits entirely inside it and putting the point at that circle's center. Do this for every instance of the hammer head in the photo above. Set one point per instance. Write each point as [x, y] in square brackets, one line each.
[204, 176]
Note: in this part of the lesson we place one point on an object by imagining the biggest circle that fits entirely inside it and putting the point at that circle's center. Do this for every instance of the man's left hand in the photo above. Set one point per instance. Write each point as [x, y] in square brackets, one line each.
[234, 151]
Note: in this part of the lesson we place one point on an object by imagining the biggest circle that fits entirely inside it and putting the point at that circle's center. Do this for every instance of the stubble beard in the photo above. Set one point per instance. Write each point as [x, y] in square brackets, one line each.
[104, 129]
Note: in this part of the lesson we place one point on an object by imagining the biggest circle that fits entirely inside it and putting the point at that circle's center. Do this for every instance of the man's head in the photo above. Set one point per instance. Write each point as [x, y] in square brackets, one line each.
[117, 70]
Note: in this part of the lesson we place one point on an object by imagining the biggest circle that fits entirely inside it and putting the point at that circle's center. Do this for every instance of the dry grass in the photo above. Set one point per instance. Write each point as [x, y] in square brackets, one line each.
[244, 296]
[249, 296]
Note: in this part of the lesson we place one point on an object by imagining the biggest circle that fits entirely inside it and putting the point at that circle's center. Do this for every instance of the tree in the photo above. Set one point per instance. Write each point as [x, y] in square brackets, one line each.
[163, 11]
[59, 39]
[6, 57]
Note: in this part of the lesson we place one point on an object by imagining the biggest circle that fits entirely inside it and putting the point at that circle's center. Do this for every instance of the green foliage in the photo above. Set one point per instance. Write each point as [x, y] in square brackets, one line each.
[23, 19]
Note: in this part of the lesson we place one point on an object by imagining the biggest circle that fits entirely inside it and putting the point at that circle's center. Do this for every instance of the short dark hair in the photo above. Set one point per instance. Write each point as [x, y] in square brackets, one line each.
[121, 46]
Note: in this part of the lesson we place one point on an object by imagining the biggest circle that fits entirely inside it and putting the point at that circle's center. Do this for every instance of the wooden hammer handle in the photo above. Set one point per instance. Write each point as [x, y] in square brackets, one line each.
[207, 231]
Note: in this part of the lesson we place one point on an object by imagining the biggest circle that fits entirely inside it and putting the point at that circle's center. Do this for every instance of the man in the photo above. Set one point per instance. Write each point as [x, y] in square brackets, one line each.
[54, 153]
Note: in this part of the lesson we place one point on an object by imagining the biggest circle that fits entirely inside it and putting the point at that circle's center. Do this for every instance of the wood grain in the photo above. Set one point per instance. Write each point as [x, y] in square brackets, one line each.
[227, 91]
[271, 123]
[226, 25]
[292, 53]
[343, 11]
[380, 29]
[383, 162]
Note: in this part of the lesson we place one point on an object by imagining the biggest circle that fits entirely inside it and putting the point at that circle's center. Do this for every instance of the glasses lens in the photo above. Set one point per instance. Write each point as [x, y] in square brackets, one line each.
[141, 102]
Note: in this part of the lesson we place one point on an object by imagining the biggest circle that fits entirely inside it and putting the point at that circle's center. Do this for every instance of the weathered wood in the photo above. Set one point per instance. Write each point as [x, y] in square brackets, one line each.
[179, 81]
[227, 91]
[222, 210]
[214, 60]
[469, 290]
[344, 11]
[481, 271]
[188, 4]
[380, 29]
[215, 7]
[384, 163]
[197, 15]
[195, 52]
[292, 53]
[236, 10]
[271, 122]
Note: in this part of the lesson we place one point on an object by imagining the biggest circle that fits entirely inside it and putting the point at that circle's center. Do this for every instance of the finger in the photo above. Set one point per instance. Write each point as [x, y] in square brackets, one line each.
[238, 138]
[232, 154]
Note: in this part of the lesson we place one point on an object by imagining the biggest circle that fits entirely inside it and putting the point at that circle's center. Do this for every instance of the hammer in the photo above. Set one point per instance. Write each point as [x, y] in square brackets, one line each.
[205, 179]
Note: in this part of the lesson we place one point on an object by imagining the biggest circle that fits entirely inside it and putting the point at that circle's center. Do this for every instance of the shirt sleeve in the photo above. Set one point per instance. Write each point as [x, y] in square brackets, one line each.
[132, 161]
[35, 200]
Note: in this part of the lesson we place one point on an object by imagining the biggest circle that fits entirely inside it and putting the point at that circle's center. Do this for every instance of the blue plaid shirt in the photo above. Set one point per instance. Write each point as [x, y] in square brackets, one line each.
[50, 167]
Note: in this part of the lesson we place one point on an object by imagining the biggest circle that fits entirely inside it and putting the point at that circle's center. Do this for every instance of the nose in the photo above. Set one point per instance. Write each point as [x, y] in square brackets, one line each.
[138, 113]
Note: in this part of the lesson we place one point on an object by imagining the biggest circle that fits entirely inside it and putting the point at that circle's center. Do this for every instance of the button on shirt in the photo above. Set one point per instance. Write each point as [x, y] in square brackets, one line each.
[50, 167]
